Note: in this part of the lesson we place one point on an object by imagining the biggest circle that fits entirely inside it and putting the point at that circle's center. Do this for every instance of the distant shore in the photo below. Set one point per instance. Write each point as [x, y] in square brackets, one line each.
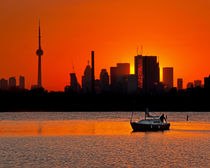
[196, 100]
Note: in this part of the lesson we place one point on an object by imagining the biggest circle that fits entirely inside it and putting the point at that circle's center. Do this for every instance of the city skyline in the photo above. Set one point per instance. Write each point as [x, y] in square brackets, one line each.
[146, 76]
[179, 42]
[104, 83]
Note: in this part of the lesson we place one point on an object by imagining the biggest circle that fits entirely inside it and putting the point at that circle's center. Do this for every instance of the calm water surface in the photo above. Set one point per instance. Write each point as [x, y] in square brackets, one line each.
[105, 139]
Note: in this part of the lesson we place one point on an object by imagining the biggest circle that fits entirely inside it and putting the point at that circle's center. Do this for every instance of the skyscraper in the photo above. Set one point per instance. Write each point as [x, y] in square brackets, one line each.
[92, 73]
[113, 76]
[21, 82]
[179, 84]
[207, 82]
[139, 70]
[147, 72]
[123, 69]
[12, 82]
[104, 80]
[168, 77]
[151, 73]
[197, 83]
[189, 85]
[3, 84]
[74, 85]
[86, 79]
[39, 53]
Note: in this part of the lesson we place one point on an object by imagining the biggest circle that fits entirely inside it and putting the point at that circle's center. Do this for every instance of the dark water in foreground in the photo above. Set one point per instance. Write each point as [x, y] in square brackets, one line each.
[104, 139]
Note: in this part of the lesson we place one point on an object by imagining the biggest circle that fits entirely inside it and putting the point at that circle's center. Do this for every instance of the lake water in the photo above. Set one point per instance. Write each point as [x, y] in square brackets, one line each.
[103, 139]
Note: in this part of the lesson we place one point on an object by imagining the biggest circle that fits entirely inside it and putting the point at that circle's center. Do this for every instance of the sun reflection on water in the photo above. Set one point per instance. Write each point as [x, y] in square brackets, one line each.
[83, 127]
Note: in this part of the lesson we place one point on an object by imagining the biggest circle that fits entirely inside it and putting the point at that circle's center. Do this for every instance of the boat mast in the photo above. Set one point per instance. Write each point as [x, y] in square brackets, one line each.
[131, 117]
[146, 111]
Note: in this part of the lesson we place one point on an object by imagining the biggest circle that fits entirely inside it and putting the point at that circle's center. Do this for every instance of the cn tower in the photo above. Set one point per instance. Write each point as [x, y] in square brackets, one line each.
[39, 53]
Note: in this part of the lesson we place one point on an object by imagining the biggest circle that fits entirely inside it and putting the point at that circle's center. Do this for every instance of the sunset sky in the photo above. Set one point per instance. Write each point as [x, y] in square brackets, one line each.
[177, 31]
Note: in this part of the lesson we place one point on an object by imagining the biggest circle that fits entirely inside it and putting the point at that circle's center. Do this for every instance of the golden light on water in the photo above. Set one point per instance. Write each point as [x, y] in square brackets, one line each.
[73, 127]
[82, 127]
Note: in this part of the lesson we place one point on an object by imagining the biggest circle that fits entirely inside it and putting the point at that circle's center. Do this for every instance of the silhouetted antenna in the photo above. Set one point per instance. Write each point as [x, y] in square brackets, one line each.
[39, 35]
[88, 62]
[137, 50]
[141, 49]
[73, 67]
[149, 51]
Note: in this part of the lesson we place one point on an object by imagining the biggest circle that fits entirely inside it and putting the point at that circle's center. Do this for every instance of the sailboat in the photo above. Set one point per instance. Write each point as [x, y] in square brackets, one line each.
[150, 123]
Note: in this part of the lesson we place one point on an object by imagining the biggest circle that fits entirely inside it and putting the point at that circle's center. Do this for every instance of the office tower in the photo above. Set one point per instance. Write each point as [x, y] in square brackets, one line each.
[21, 82]
[189, 85]
[113, 77]
[179, 84]
[123, 69]
[147, 72]
[3, 84]
[197, 83]
[93, 73]
[74, 85]
[73, 80]
[104, 80]
[150, 73]
[207, 82]
[168, 77]
[39, 53]
[139, 70]
[86, 79]
[12, 82]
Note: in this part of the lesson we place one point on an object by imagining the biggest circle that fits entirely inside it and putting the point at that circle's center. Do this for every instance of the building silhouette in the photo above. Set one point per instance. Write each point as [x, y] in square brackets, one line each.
[151, 72]
[207, 82]
[118, 77]
[123, 69]
[139, 70]
[92, 73]
[104, 80]
[12, 82]
[189, 85]
[113, 77]
[3, 84]
[73, 80]
[21, 82]
[39, 53]
[179, 84]
[147, 72]
[86, 79]
[168, 77]
[197, 83]
[74, 85]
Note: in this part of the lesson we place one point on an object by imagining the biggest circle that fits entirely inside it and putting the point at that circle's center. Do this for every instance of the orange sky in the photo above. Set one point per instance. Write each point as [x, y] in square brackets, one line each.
[177, 31]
